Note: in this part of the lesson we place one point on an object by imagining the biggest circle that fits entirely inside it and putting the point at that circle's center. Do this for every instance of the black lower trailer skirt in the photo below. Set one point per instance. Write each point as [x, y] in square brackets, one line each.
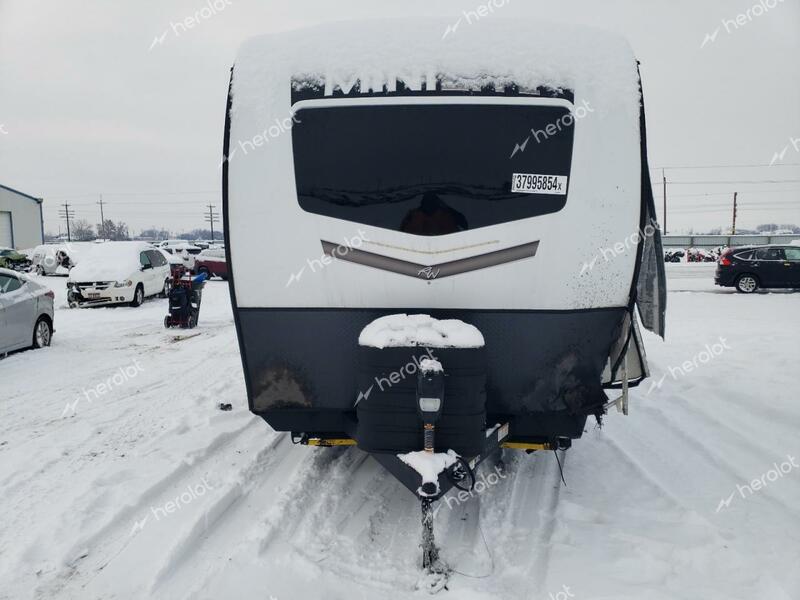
[301, 364]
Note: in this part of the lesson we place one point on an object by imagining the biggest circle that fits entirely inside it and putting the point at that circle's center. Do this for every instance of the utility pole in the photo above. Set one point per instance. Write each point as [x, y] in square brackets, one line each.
[67, 214]
[212, 218]
[102, 219]
[664, 180]
[733, 227]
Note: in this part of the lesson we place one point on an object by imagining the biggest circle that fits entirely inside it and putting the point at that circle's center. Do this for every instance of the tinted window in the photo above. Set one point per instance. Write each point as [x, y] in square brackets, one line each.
[429, 169]
[9, 284]
[156, 258]
[144, 259]
[770, 254]
[747, 255]
[792, 253]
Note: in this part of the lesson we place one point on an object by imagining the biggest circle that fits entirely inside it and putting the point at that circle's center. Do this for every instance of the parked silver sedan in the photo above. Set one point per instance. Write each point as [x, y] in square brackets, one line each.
[26, 312]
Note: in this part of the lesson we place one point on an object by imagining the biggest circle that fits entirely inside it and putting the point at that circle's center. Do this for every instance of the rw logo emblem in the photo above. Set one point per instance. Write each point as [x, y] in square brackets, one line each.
[428, 273]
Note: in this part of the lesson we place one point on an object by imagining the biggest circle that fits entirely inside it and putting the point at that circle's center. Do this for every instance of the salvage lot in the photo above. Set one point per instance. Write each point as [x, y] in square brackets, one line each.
[122, 478]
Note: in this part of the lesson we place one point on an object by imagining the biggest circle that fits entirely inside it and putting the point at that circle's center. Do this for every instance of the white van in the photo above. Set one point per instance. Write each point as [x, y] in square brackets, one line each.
[117, 273]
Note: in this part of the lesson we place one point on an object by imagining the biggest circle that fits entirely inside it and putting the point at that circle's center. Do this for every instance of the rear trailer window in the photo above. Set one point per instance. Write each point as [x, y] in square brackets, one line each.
[433, 169]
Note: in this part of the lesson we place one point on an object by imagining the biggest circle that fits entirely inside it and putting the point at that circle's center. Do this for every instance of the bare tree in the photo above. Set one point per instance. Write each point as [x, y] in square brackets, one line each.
[82, 231]
[114, 231]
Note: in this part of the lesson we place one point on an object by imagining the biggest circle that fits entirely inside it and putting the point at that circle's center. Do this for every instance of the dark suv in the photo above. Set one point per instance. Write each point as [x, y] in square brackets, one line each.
[751, 267]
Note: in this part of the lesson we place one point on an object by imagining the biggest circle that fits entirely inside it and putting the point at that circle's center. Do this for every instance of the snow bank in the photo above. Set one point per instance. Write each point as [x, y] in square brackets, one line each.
[109, 261]
[429, 464]
[597, 65]
[420, 330]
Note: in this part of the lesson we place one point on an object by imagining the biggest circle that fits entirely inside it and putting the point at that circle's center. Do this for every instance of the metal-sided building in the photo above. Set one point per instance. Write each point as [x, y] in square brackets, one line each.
[21, 223]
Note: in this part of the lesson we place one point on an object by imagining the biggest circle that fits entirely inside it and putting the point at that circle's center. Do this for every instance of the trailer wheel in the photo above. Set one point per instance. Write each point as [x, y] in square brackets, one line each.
[166, 322]
[747, 284]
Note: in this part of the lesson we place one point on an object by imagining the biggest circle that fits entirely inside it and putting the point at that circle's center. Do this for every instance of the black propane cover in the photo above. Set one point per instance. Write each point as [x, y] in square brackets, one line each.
[388, 417]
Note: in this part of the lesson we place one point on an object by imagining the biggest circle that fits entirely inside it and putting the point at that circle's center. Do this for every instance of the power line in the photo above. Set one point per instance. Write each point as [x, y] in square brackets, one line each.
[738, 181]
[754, 166]
[164, 193]
[728, 193]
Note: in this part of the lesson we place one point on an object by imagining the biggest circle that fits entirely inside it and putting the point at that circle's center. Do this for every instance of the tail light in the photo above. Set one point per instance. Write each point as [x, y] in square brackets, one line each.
[725, 260]
[50, 294]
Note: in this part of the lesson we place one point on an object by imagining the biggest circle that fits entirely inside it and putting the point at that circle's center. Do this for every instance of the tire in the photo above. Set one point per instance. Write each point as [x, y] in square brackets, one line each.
[191, 322]
[138, 296]
[166, 322]
[42, 333]
[167, 288]
[747, 284]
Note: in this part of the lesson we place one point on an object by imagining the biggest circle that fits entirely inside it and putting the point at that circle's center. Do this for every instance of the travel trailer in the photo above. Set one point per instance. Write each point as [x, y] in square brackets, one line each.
[438, 244]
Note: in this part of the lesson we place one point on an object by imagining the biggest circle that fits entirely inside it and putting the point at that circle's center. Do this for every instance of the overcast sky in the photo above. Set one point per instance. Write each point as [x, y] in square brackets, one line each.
[88, 107]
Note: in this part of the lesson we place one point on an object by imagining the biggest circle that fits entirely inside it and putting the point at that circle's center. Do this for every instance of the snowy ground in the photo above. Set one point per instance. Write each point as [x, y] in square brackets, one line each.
[144, 488]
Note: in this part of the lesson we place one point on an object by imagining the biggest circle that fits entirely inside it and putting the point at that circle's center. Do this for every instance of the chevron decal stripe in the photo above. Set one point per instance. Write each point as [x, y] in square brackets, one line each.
[433, 271]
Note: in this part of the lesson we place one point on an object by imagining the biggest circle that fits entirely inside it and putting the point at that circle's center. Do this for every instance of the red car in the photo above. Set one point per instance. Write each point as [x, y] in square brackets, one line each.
[212, 262]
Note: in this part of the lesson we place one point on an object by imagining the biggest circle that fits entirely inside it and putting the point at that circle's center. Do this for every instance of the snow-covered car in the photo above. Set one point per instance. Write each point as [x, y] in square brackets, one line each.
[165, 243]
[58, 259]
[212, 262]
[117, 273]
[176, 266]
[11, 259]
[186, 251]
[26, 312]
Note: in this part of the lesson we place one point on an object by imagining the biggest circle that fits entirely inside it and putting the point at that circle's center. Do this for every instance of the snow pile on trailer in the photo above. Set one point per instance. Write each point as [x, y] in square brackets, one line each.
[598, 66]
[430, 365]
[402, 330]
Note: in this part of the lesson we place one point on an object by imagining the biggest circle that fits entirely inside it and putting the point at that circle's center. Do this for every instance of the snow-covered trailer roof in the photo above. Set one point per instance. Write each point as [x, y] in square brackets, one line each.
[531, 54]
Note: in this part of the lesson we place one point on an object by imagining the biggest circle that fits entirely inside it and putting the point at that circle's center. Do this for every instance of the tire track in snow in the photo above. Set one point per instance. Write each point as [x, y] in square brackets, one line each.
[112, 539]
[520, 521]
[218, 513]
[707, 463]
[682, 499]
